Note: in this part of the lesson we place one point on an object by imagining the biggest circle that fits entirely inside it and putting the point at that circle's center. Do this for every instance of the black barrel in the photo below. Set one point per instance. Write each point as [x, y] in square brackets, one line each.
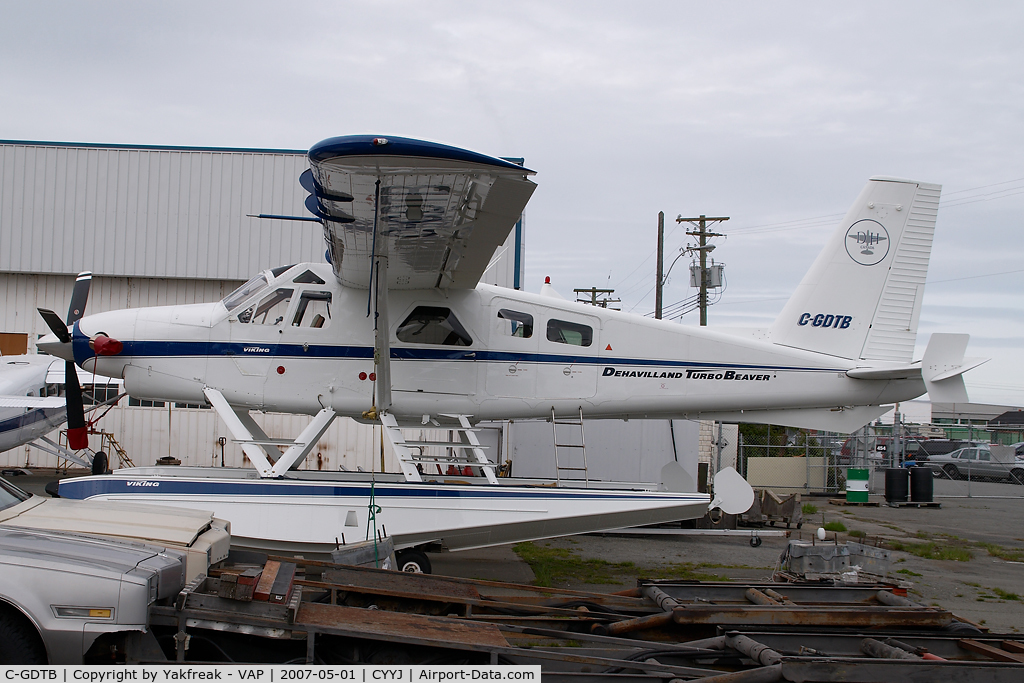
[897, 483]
[922, 484]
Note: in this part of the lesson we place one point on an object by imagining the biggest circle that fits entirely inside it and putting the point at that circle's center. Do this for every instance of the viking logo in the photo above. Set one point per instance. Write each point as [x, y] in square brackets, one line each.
[867, 242]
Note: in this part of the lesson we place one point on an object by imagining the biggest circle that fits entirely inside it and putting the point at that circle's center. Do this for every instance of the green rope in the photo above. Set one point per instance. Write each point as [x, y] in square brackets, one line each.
[372, 517]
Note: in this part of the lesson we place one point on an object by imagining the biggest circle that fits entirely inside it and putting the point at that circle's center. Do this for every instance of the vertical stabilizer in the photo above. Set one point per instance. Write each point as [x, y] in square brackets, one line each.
[861, 299]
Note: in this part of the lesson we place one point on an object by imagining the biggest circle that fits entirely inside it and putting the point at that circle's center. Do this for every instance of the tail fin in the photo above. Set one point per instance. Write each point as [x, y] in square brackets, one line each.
[861, 299]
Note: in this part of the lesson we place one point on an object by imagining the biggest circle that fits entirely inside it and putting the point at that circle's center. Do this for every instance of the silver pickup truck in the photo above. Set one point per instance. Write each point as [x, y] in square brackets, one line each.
[71, 572]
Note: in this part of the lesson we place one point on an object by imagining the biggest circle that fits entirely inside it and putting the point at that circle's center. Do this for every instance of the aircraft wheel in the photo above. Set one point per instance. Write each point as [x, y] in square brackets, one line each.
[755, 541]
[413, 561]
[99, 463]
[19, 642]
[952, 472]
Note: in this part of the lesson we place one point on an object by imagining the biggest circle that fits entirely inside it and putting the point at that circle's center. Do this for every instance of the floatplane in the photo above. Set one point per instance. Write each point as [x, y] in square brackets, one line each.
[397, 329]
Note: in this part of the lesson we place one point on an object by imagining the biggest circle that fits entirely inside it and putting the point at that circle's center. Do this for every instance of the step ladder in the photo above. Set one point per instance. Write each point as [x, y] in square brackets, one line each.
[580, 447]
[112, 445]
[463, 450]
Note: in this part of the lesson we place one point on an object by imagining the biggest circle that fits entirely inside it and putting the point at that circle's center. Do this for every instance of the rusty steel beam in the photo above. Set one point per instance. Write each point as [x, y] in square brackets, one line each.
[879, 650]
[787, 615]
[991, 651]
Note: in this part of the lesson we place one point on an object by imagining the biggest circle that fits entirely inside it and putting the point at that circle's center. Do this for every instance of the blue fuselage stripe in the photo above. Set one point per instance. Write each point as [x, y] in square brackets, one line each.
[185, 349]
[83, 488]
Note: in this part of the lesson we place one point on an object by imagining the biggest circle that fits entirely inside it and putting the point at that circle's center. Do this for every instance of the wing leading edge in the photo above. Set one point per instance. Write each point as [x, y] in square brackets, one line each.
[443, 211]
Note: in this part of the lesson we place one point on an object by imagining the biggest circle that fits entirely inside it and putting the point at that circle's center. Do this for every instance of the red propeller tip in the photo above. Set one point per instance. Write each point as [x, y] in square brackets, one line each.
[78, 438]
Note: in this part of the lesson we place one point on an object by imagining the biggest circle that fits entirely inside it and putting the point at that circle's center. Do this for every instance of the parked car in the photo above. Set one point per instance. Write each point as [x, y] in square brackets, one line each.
[978, 462]
[71, 572]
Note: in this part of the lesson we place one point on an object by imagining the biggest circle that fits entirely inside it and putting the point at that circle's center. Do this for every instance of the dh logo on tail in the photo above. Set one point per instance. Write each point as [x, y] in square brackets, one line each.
[867, 242]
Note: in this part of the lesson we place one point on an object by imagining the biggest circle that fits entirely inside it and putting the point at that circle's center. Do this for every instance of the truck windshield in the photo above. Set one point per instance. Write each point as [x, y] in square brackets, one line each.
[10, 495]
[242, 294]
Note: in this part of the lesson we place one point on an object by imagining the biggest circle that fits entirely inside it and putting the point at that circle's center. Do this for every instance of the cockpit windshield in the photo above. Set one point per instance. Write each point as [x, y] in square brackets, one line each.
[10, 495]
[242, 294]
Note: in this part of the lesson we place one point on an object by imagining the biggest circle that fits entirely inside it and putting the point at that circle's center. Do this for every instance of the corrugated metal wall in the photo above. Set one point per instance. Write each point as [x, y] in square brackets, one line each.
[151, 212]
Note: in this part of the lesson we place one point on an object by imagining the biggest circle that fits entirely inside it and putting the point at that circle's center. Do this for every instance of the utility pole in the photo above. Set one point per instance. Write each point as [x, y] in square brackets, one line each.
[601, 302]
[661, 265]
[701, 222]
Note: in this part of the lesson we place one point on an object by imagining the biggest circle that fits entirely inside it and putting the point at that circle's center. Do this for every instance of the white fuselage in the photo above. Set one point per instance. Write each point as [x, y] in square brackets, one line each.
[516, 355]
[26, 376]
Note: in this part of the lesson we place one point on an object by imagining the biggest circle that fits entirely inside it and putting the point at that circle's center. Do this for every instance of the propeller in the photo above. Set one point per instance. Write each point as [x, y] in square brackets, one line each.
[78, 437]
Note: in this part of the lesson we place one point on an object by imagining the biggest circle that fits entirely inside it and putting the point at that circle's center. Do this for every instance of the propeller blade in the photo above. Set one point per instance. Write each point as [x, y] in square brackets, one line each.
[55, 324]
[78, 437]
[79, 297]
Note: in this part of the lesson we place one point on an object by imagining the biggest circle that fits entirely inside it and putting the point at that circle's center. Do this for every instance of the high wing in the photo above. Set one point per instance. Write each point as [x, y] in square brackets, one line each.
[31, 402]
[443, 211]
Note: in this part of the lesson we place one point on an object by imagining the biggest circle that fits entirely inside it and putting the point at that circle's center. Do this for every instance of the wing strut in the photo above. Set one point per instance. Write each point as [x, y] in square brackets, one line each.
[381, 322]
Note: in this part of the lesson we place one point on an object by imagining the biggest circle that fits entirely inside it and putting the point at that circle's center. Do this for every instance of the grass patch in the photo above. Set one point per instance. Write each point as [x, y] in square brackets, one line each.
[908, 572]
[1005, 595]
[835, 526]
[809, 509]
[921, 534]
[1008, 554]
[858, 533]
[971, 584]
[934, 551]
[551, 565]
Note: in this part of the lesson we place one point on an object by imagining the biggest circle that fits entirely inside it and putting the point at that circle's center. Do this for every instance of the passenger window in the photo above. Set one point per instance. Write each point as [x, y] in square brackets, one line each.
[984, 455]
[564, 332]
[433, 325]
[270, 311]
[314, 310]
[519, 324]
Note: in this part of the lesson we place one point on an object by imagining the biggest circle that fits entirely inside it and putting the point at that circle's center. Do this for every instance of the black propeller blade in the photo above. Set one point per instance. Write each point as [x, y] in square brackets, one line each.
[55, 324]
[78, 435]
[79, 297]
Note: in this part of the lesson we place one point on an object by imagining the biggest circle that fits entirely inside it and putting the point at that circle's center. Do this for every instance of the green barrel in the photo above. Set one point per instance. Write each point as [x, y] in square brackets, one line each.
[857, 484]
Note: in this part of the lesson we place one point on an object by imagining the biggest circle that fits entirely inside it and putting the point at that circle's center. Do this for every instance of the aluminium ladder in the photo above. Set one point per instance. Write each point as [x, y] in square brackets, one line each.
[463, 450]
[581, 447]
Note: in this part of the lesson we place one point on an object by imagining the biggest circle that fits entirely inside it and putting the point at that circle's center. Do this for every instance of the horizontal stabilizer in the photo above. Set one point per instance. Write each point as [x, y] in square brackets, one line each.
[943, 366]
[844, 420]
[31, 402]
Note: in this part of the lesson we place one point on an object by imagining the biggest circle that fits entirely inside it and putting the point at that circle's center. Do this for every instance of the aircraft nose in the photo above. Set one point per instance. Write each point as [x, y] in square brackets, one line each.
[55, 347]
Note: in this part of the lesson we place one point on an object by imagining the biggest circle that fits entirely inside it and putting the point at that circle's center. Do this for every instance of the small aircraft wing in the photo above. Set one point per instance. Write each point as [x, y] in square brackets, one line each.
[443, 211]
[31, 402]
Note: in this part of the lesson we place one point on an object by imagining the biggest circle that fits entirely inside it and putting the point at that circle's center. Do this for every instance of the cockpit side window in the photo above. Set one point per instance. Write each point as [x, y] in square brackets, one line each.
[433, 325]
[519, 324]
[240, 295]
[565, 332]
[314, 310]
[270, 310]
[308, 278]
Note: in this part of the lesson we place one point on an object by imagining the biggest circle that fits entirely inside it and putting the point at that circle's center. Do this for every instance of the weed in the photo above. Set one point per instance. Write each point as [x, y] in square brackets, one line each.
[933, 551]
[858, 533]
[971, 584]
[902, 559]
[809, 509]
[561, 565]
[691, 572]
[908, 572]
[1005, 595]
[1008, 554]
[921, 534]
[835, 526]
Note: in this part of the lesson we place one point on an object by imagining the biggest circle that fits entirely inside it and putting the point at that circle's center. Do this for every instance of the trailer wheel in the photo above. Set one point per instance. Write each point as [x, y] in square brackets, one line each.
[755, 541]
[413, 561]
[19, 642]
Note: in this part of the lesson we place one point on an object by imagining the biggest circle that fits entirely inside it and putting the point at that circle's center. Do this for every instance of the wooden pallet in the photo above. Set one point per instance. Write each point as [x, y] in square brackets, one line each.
[843, 501]
[909, 504]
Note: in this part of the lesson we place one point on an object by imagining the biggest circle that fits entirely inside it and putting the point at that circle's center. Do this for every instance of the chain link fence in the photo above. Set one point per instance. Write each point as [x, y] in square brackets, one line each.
[805, 461]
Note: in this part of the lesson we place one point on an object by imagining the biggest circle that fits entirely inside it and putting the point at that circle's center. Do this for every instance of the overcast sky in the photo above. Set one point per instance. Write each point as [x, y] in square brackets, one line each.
[774, 114]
